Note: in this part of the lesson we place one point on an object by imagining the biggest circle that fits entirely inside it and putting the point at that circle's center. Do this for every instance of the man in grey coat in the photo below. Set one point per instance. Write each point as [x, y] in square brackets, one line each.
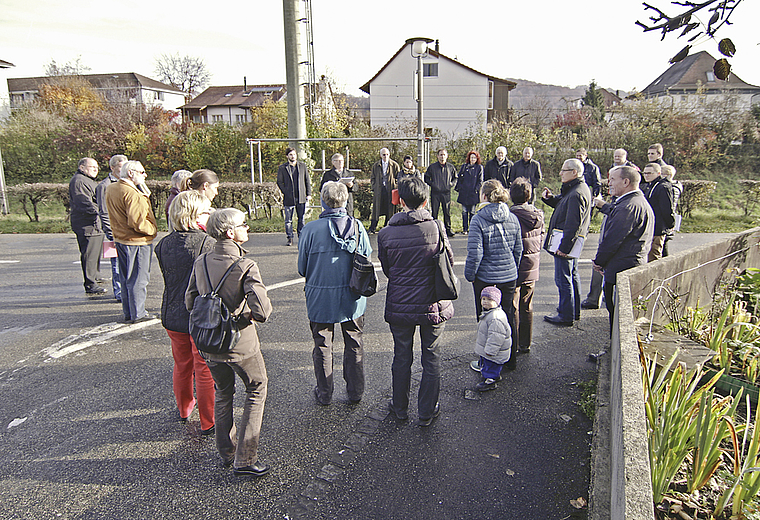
[627, 233]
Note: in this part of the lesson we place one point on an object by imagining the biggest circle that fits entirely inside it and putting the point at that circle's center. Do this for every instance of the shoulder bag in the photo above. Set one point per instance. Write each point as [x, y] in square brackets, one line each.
[446, 282]
[363, 278]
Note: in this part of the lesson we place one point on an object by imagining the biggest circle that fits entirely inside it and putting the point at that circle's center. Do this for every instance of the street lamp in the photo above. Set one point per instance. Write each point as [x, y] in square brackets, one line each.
[419, 48]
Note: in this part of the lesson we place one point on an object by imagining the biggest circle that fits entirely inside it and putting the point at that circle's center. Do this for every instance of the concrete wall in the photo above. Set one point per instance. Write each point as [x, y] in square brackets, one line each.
[620, 478]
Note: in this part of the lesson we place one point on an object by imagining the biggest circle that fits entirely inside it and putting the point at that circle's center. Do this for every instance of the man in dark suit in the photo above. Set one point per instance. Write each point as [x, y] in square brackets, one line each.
[627, 232]
[295, 184]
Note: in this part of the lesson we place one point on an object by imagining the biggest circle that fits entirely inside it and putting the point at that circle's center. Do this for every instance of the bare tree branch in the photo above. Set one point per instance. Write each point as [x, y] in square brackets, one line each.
[186, 73]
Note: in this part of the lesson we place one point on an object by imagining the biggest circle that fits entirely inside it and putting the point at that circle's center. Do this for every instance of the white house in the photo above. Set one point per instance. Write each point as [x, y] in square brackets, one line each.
[455, 96]
[114, 88]
[4, 98]
[231, 105]
[692, 80]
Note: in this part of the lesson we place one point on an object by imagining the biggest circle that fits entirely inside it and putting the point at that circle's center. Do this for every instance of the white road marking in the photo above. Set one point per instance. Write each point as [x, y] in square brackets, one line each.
[10, 261]
[16, 422]
[94, 336]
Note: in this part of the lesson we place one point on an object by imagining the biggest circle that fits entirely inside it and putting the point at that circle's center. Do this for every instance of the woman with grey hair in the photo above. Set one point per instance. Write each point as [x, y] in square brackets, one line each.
[325, 258]
[245, 295]
[335, 174]
[178, 179]
[176, 254]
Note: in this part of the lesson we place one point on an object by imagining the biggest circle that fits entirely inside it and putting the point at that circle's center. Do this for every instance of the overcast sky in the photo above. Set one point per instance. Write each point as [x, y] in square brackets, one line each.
[547, 41]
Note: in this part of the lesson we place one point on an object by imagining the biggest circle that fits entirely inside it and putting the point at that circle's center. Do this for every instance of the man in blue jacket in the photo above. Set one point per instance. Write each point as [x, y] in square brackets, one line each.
[627, 232]
[325, 257]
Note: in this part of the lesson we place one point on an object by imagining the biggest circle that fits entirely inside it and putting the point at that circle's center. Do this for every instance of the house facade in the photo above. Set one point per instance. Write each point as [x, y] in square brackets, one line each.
[231, 105]
[456, 97]
[114, 88]
[692, 81]
[4, 97]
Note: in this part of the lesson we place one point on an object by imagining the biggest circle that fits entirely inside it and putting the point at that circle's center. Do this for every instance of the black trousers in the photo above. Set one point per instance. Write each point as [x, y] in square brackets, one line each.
[442, 201]
[90, 250]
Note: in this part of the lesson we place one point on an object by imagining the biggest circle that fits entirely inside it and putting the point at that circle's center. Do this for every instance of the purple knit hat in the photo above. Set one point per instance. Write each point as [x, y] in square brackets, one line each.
[492, 293]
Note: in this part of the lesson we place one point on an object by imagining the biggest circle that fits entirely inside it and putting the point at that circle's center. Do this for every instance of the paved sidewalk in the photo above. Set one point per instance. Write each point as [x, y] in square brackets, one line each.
[89, 427]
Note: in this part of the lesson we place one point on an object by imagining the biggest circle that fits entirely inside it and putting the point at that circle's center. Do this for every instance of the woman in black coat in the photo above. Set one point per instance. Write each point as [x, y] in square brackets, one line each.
[176, 253]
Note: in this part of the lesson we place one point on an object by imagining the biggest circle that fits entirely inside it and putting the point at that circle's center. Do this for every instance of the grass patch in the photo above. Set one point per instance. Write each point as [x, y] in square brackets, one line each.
[588, 398]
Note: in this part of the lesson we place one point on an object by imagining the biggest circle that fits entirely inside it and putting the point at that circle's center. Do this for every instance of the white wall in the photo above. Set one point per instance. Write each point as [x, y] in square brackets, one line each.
[4, 96]
[228, 114]
[453, 101]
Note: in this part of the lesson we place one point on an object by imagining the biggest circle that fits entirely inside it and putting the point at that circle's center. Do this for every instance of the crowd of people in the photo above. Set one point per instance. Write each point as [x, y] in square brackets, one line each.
[504, 244]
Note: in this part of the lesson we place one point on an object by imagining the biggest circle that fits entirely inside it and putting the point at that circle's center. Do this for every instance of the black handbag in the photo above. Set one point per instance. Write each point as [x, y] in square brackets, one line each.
[363, 278]
[446, 282]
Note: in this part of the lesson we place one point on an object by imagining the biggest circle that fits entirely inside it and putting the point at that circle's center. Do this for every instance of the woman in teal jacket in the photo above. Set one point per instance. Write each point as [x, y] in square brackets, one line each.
[325, 258]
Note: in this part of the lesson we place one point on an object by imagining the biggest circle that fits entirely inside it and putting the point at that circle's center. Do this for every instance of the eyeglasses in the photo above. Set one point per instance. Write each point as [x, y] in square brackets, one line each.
[242, 226]
[141, 172]
[567, 170]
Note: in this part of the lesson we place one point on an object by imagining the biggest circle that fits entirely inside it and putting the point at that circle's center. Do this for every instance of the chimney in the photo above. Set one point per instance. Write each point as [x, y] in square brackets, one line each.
[437, 47]
[245, 84]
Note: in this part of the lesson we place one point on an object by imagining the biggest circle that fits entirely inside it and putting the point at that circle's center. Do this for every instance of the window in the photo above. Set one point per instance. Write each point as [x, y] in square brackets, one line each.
[430, 70]
[196, 119]
[490, 95]
[217, 119]
[710, 77]
[241, 118]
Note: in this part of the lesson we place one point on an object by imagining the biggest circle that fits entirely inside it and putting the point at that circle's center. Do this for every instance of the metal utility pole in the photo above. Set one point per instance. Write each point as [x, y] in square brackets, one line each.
[296, 111]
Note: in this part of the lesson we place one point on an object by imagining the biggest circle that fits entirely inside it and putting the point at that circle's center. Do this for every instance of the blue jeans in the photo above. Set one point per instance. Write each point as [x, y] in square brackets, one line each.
[568, 282]
[287, 213]
[401, 369]
[115, 280]
[489, 369]
[134, 273]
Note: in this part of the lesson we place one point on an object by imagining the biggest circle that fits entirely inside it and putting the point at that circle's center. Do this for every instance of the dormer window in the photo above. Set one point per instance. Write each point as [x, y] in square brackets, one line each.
[228, 95]
[710, 76]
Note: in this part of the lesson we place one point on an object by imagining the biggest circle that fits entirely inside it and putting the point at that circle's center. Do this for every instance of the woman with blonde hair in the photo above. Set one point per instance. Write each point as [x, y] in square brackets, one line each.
[176, 254]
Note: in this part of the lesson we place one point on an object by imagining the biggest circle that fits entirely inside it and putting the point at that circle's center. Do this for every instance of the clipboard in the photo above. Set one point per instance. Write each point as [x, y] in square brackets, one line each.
[556, 239]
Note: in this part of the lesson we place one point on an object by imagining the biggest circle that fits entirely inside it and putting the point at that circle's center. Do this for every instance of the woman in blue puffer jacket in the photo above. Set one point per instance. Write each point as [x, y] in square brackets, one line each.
[494, 250]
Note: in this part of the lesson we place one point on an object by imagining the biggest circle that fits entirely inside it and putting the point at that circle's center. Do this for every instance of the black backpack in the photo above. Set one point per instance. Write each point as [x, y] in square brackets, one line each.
[212, 326]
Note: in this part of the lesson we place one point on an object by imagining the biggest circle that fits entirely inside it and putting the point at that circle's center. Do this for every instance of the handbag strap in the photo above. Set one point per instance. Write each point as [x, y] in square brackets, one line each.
[226, 273]
[441, 245]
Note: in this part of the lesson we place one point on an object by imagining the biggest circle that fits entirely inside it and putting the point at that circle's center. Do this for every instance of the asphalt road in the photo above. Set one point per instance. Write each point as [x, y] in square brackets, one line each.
[89, 428]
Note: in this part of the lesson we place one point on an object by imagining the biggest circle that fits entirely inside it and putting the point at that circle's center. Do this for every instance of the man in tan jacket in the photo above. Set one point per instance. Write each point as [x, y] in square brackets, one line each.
[134, 227]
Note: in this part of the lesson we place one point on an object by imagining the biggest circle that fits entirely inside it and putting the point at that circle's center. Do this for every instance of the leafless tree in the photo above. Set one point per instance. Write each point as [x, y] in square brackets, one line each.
[687, 21]
[187, 73]
[70, 68]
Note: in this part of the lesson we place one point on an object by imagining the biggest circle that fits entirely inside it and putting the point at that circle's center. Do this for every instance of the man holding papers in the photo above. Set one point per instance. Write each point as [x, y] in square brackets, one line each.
[627, 232]
[564, 238]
